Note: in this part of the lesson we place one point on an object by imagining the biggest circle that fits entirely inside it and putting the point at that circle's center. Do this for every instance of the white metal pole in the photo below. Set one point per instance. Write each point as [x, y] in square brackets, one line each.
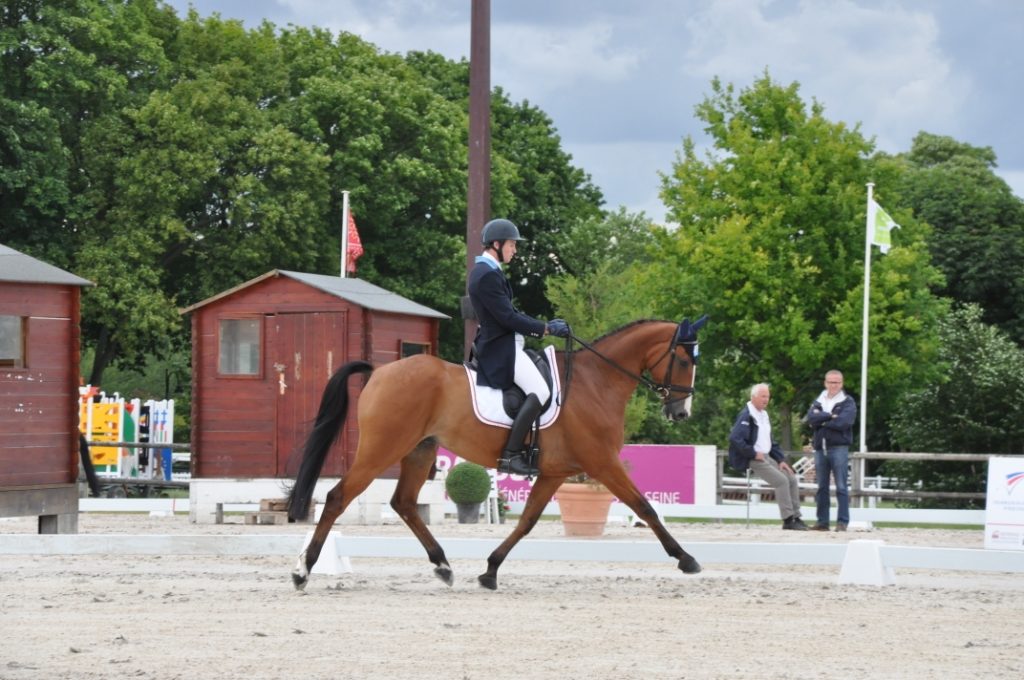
[748, 497]
[864, 332]
[344, 233]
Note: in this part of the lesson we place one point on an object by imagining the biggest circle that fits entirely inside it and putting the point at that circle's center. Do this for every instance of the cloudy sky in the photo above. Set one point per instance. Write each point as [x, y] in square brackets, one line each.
[620, 78]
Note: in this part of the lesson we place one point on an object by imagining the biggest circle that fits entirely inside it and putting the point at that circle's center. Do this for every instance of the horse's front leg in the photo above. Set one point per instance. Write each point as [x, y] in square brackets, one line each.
[543, 489]
[415, 469]
[619, 483]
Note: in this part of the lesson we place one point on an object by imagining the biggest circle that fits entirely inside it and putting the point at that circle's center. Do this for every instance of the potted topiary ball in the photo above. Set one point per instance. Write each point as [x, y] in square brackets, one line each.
[467, 485]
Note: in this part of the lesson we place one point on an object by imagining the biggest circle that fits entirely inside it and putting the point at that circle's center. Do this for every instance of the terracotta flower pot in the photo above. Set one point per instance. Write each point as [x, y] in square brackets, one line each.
[584, 508]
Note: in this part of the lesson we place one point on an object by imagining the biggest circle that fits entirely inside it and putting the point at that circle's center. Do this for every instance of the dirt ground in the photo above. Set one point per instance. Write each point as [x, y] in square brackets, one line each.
[239, 617]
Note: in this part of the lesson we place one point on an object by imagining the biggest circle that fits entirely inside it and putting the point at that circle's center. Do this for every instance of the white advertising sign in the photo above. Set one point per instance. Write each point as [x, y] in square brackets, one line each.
[1004, 504]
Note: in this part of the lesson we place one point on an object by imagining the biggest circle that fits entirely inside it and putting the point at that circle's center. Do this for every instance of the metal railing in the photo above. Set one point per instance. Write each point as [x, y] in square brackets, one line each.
[859, 487]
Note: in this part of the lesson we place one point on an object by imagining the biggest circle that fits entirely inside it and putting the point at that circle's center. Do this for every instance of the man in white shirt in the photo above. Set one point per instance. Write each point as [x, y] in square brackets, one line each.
[831, 418]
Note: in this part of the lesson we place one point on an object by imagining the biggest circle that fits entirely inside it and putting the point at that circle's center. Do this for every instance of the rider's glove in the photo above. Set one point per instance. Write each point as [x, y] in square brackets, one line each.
[559, 328]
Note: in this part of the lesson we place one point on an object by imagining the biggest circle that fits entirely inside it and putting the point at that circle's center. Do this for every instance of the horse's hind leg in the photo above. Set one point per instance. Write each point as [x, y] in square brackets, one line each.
[415, 469]
[338, 498]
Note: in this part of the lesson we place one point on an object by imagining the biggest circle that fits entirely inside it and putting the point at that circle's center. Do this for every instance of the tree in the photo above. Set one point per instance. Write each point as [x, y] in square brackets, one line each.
[533, 182]
[978, 226]
[976, 407]
[770, 244]
[66, 67]
[168, 159]
[197, 186]
[599, 293]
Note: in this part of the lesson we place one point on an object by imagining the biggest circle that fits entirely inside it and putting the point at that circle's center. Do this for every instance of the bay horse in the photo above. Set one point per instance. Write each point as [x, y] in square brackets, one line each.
[410, 407]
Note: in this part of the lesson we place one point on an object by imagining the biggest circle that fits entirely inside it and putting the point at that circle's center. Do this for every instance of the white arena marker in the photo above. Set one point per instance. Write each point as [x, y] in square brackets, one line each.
[331, 563]
[863, 565]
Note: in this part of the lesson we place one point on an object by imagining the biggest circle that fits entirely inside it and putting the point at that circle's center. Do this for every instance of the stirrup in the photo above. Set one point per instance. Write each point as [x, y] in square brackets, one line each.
[522, 458]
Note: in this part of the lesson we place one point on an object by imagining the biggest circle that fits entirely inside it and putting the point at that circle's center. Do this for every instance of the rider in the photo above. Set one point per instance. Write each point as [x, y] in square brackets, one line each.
[501, 359]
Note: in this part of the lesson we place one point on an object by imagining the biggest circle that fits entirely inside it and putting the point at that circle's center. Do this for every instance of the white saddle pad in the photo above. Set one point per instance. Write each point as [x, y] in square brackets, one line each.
[489, 407]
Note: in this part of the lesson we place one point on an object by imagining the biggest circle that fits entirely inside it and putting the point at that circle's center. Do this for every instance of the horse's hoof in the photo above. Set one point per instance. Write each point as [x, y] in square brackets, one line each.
[688, 565]
[444, 572]
[299, 581]
[488, 581]
[301, 573]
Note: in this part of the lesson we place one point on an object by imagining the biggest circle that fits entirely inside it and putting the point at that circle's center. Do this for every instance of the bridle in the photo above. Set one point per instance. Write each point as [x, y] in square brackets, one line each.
[664, 389]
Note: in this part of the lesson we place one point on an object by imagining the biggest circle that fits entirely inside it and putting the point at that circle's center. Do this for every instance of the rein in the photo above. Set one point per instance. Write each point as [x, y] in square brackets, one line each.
[663, 390]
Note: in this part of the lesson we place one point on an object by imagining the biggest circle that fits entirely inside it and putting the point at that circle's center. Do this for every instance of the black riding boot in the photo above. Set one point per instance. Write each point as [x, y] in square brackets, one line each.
[515, 458]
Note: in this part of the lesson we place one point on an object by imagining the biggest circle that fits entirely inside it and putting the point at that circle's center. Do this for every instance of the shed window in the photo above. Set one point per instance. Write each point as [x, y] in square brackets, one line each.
[408, 349]
[239, 347]
[12, 341]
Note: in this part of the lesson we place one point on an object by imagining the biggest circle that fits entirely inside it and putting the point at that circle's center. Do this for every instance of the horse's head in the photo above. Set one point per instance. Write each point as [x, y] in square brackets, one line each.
[676, 370]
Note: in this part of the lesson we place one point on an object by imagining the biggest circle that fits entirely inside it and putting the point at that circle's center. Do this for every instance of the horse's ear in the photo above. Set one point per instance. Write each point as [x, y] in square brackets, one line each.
[688, 331]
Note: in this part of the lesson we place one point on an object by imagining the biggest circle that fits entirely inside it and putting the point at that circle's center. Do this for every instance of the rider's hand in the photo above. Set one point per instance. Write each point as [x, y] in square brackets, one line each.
[559, 328]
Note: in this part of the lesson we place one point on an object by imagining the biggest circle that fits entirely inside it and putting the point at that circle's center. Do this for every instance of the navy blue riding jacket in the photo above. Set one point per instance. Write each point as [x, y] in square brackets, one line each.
[835, 427]
[742, 439]
[491, 296]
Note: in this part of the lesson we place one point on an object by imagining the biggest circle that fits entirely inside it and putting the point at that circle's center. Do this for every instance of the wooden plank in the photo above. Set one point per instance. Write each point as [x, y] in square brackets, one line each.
[18, 444]
[37, 300]
[44, 498]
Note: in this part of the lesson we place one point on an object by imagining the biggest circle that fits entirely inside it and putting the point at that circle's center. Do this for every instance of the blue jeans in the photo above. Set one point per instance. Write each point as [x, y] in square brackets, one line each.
[834, 461]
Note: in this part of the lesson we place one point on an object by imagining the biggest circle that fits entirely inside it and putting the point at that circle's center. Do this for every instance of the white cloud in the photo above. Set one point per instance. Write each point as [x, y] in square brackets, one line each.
[527, 60]
[531, 58]
[880, 65]
[394, 25]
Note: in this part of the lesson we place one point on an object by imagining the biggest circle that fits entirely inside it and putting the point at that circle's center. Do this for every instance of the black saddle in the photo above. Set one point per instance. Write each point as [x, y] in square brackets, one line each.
[513, 397]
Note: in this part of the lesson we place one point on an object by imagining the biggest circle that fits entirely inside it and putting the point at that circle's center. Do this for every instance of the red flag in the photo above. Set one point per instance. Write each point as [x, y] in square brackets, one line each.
[355, 246]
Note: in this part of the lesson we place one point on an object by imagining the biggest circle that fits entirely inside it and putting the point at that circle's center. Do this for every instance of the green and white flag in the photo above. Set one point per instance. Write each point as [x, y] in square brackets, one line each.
[879, 226]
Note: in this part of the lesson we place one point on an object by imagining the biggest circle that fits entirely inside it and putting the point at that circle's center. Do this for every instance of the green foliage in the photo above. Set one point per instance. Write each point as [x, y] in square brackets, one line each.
[978, 226]
[468, 483]
[600, 294]
[977, 406]
[770, 244]
[534, 183]
[169, 159]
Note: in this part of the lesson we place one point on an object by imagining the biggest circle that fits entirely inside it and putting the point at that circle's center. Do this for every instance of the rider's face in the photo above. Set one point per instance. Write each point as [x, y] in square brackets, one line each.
[508, 250]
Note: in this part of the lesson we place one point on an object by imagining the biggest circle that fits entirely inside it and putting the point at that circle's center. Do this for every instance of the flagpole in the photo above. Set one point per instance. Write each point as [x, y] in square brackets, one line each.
[344, 233]
[864, 331]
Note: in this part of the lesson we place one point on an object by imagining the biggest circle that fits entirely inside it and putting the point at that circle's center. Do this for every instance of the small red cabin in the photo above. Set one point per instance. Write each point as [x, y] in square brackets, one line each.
[39, 375]
[262, 353]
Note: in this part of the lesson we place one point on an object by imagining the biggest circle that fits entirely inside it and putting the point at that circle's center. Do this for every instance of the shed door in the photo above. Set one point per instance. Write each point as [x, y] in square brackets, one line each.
[305, 350]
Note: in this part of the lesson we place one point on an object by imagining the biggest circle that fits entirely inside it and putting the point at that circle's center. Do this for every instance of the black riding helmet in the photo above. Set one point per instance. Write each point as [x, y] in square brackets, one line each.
[500, 230]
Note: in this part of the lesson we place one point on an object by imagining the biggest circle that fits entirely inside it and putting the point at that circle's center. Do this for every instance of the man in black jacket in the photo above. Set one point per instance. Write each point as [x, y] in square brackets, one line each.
[831, 419]
[751, 445]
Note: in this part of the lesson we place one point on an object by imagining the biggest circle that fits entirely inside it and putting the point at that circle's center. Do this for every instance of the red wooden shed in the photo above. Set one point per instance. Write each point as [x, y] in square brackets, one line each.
[39, 375]
[262, 353]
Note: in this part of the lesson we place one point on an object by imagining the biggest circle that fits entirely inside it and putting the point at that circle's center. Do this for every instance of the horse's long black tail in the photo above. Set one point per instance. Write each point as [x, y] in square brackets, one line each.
[329, 419]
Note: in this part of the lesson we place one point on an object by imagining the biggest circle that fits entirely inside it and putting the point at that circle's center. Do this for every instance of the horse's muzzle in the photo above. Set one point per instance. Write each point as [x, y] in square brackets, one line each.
[676, 411]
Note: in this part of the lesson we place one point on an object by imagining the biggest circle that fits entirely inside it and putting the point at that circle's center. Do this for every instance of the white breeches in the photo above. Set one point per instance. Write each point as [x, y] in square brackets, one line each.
[526, 374]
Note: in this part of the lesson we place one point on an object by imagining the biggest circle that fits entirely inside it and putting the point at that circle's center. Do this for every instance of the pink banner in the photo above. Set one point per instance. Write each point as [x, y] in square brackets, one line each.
[664, 474]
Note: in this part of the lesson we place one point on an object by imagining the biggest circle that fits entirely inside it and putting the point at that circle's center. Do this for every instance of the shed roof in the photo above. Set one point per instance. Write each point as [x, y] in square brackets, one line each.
[356, 291]
[18, 267]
